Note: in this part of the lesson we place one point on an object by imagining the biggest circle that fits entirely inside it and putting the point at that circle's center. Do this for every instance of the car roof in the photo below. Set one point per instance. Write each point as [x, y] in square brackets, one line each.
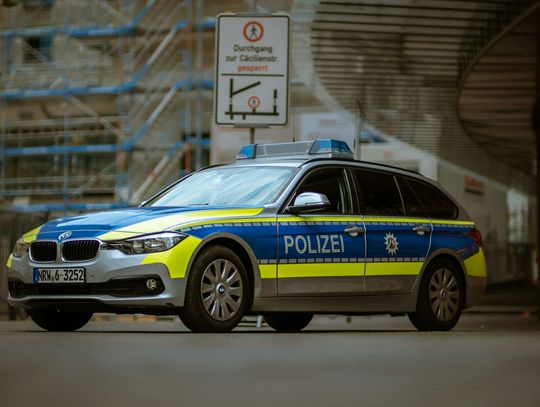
[300, 161]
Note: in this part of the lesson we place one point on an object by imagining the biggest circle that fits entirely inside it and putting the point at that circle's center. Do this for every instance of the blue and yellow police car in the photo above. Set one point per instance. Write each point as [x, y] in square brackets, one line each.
[288, 231]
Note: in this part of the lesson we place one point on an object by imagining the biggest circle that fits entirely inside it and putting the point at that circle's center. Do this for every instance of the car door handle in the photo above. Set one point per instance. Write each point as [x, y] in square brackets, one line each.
[354, 230]
[421, 229]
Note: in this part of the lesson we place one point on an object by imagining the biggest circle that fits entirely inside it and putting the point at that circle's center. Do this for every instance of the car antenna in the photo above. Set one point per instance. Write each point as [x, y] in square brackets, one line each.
[358, 130]
[292, 117]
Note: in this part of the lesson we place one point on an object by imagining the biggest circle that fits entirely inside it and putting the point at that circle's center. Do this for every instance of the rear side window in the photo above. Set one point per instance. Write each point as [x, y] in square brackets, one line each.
[412, 205]
[378, 193]
[435, 203]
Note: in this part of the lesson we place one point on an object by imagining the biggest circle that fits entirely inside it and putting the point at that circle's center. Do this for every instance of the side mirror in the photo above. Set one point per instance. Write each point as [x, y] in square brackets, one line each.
[309, 202]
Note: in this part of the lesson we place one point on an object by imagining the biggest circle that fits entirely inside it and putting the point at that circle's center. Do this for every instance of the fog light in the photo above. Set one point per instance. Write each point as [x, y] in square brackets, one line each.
[151, 284]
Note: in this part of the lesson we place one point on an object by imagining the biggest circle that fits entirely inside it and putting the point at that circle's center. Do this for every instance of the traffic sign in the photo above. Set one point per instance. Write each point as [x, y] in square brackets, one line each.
[252, 70]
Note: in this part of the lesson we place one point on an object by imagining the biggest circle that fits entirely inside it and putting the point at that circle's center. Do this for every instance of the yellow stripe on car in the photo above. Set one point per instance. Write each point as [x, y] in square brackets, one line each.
[115, 235]
[394, 268]
[29, 237]
[320, 219]
[227, 220]
[369, 219]
[453, 222]
[321, 270]
[172, 222]
[10, 260]
[177, 258]
[268, 270]
[476, 265]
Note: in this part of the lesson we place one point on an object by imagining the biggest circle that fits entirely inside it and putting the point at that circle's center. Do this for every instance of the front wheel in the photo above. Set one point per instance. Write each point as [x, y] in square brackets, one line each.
[290, 322]
[440, 298]
[60, 321]
[217, 292]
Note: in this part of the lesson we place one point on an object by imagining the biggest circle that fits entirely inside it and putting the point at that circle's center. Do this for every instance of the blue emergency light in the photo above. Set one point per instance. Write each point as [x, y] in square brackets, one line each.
[326, 147]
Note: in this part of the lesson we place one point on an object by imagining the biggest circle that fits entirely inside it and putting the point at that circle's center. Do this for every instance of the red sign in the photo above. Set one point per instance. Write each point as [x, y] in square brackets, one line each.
[253, 31]
[254, 102]
[474, 186]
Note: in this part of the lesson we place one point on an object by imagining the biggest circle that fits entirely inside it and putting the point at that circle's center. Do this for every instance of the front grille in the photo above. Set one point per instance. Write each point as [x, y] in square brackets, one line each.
[129, 287]
[43, 251]
[80, 250]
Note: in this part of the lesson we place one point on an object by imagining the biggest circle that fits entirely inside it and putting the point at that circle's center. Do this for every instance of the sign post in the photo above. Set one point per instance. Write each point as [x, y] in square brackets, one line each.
[252, 71]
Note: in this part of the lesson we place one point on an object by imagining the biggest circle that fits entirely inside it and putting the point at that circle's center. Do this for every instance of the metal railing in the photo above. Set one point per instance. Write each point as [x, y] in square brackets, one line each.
[505, 13]
[153, 73]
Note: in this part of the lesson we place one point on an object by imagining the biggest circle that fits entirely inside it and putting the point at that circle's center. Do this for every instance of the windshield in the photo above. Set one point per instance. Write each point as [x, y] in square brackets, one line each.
[227, 186]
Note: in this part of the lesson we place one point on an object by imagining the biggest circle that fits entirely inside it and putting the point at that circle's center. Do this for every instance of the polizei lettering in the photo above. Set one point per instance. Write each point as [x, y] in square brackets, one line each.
[314, 244]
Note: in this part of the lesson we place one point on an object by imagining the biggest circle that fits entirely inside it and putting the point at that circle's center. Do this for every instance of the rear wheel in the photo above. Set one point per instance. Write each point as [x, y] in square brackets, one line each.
[217, 292]
[440, 298]
[60, 321]
[288, 322]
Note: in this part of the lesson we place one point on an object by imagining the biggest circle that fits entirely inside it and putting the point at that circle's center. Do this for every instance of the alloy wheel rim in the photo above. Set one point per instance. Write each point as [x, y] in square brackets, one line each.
[444, 294]
[221, 290]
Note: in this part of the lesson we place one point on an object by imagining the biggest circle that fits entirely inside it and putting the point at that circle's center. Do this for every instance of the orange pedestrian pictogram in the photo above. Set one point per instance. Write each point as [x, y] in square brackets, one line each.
[253, 31]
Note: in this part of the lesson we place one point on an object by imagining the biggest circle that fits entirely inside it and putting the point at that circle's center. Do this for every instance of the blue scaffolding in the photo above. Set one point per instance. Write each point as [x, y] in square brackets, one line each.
[139, 148]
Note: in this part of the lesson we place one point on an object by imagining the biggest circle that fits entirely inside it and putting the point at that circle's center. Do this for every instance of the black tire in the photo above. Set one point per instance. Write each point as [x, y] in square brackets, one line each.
[444, 284]
[288, 322]
[211, 305]
[60, 321]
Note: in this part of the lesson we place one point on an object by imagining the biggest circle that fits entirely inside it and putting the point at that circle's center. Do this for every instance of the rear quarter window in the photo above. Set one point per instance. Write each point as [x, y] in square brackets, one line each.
[413, 206]
[436, 204]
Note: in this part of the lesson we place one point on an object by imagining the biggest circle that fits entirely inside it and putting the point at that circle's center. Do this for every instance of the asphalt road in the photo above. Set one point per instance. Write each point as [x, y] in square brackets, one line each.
[488, 360]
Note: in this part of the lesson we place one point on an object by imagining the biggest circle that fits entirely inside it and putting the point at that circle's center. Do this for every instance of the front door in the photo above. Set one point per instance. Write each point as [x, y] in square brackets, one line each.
[322, 253]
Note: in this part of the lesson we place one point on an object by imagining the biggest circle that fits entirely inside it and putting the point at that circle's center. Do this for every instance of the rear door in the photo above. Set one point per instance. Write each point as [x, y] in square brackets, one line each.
[317, 256]
[397, 240]
[447, 232]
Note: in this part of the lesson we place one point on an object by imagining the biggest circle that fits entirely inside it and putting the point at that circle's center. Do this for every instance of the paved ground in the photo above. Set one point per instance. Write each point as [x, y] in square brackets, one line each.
[491, 359]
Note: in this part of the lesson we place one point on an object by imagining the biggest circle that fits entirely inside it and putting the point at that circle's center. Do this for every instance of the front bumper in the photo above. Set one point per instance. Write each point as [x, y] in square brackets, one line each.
[111, 268]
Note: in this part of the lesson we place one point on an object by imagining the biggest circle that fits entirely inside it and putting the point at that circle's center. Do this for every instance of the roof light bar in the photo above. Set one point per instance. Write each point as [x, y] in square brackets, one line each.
[327, 147]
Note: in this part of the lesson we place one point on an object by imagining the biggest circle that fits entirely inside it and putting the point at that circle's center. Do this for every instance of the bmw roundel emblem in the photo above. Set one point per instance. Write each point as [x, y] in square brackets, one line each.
[65, 235]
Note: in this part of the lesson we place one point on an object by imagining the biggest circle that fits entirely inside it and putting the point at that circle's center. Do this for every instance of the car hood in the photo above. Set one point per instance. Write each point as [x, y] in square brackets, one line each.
[125, 223]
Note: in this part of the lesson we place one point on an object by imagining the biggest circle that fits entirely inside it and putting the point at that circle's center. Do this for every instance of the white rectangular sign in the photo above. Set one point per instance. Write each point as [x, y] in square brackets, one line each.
[252, 70]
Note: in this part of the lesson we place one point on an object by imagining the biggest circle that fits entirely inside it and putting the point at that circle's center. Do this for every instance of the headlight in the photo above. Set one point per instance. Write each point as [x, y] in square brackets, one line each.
[21, 248]
[158, 242]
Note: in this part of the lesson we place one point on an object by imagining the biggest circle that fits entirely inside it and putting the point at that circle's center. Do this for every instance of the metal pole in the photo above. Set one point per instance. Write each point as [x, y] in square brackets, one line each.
[5, 64]
[536, 125]
[199, 72]
[252, 129]
[66, 158]
[358, 135]
[188, 66]
[65, 183]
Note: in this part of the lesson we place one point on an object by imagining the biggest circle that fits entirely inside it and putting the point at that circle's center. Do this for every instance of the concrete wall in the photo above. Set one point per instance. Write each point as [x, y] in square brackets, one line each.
[486, 202]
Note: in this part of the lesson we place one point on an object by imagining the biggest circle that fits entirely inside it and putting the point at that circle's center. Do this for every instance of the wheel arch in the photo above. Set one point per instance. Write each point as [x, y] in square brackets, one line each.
[241, 248]
[451, 256]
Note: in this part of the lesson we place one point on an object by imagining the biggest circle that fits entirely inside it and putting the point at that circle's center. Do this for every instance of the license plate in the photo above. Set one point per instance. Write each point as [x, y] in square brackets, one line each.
[59, 276]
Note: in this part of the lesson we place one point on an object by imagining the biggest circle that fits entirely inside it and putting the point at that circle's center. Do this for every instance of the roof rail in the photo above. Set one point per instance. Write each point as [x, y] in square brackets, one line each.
[352, 160]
